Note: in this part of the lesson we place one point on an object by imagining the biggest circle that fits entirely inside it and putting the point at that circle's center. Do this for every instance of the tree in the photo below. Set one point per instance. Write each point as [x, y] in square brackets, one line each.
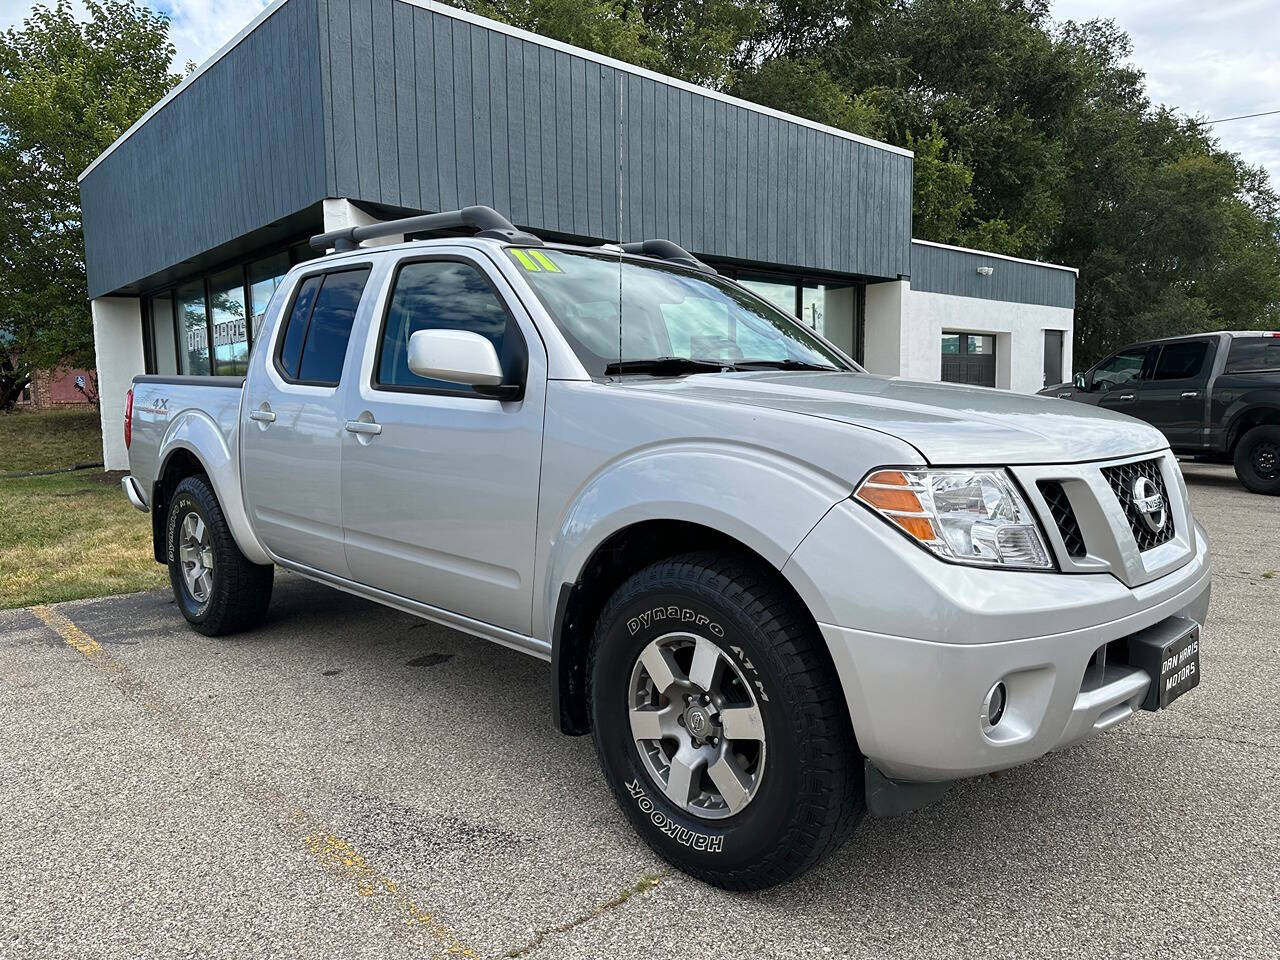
[1031, 138]
[68, 89]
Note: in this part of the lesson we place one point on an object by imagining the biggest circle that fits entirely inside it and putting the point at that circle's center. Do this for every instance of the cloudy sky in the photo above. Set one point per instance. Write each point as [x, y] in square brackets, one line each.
[1209, 58]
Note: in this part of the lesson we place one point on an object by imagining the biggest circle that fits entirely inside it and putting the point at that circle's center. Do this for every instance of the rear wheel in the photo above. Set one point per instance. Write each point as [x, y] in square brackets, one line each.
[1257, 459]
[218, 589]
[720, 723]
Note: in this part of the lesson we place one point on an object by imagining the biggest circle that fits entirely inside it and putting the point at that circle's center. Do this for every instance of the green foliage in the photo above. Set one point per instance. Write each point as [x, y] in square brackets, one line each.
[68, 89]
[1031, 138]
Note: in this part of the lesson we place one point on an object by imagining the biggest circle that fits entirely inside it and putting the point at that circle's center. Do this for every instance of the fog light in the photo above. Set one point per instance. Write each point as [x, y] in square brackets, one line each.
[993, 706]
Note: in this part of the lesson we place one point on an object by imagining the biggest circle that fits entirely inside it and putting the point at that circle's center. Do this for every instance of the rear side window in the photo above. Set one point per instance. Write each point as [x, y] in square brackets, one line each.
[443, 295]
[1252, 354]
[1181, 361]
[315, 338]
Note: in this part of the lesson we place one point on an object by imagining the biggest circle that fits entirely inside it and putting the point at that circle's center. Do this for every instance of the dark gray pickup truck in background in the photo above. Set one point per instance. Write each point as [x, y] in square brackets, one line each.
[1215, 396]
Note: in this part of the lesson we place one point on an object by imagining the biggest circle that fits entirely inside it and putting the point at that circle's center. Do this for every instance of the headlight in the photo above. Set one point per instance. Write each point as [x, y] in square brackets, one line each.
[969, 516]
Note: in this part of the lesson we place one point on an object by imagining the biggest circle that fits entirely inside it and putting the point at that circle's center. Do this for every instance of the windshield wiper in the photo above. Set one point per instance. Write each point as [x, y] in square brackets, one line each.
[666, 366]
[781, 365]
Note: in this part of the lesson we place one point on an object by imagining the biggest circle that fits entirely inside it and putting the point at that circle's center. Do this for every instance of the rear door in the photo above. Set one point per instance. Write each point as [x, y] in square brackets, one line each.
[292, 432]
[1172, 397]
[439, 484]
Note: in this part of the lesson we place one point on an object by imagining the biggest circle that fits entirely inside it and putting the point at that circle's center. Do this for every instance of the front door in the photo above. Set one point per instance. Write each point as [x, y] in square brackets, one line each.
[1174, 396]
[440, 504]
[1114, 382]
[291, 431]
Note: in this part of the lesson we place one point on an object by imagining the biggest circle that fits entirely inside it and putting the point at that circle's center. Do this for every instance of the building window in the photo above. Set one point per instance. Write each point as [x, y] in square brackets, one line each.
[164, 345]
[264, 278]
[193, 327]
[230, 327]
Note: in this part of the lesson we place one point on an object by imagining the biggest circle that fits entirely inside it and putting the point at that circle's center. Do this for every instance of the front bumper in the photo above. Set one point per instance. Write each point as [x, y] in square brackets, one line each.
[916, 701]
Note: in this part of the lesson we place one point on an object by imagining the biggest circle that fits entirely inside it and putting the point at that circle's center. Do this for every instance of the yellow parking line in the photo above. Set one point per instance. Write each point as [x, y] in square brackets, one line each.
[343, 861]
[72, 635]
[335, 855]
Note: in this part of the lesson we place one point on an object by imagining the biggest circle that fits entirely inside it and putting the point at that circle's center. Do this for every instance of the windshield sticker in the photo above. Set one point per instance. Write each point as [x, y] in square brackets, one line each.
[535, 261]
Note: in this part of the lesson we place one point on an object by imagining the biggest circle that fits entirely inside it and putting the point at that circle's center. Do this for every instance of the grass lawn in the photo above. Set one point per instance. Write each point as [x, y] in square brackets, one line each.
[48, 439]
[70, 536]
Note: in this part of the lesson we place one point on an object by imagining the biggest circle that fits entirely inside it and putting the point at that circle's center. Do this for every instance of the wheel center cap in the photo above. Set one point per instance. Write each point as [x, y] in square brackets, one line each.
[698, 722]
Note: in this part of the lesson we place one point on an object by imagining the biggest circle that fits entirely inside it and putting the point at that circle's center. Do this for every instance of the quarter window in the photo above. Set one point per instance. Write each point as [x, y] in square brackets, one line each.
[1251, 354]
[443, 295]
[319, 326]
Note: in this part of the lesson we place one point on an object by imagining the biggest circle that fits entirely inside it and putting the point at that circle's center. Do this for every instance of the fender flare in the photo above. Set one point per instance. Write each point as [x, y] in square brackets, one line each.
[195, 432]
[712, 484]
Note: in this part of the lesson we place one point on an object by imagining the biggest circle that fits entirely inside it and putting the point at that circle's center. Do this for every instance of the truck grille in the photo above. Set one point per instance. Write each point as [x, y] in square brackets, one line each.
[1063, 516]
[1122, 479]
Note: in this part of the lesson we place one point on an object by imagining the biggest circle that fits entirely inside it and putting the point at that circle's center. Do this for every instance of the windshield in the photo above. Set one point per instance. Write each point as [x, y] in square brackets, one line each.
[668, 313]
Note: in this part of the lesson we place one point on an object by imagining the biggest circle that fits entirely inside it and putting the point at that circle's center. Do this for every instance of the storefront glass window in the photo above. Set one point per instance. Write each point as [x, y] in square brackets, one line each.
[781, 295]
[163, 346]
[812, 305]
[230, 323]
[264, 277]
[193, 328]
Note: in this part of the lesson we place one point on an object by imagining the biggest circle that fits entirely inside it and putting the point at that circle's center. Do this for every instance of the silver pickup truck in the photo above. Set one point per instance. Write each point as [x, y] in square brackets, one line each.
[777, 590]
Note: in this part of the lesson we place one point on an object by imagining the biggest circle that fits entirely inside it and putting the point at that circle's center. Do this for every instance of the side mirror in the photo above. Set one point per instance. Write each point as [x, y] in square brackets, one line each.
[1081, 382]
[460, 356]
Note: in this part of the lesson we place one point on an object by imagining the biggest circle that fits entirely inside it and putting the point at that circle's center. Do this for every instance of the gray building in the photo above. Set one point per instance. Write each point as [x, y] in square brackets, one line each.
[322, 113]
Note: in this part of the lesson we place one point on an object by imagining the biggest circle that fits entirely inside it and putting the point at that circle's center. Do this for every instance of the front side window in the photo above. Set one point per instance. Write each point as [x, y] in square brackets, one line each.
[314, 341]
[443, 295]
[1123, 367]
[614, 310]
[1180, 361]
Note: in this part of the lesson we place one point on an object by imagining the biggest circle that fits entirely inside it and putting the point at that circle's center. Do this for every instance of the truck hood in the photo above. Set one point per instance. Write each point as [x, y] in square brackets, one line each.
[948, 423]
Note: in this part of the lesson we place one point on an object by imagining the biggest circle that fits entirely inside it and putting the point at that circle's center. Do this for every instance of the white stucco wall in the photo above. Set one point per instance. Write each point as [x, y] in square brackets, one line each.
[117, 343]
[904, 330]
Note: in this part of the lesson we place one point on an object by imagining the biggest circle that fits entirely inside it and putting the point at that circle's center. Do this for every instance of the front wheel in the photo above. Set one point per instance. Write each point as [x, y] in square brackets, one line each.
[720, 723]
[218, 589]
[1257, 460]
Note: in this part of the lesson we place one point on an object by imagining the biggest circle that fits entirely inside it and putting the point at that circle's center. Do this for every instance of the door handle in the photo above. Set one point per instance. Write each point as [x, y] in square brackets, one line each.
[1127, 396]
[1190, 394]
[364, 427]
[263, 416]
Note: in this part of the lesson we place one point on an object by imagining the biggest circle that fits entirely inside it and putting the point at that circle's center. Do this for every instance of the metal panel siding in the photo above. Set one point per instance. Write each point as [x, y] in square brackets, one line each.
[240, 147]
[955, 272]
[557, 140]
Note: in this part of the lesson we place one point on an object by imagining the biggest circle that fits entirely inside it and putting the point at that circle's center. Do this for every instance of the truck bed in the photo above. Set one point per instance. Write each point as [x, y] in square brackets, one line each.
[160, 402]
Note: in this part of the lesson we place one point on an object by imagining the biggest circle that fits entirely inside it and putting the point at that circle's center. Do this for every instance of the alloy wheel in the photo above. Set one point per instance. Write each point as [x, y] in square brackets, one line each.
[195, 554]
[696, 725]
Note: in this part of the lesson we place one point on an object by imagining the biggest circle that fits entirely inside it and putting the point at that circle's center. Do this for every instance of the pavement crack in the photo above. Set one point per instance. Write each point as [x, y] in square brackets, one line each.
[1231, 741]
[642, 886]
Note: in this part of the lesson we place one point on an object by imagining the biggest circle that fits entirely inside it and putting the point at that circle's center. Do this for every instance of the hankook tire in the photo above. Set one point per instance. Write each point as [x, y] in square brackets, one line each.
[719, 721]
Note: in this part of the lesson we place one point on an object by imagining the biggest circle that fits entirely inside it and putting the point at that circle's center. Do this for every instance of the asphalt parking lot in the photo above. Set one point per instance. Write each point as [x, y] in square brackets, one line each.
[351, 782]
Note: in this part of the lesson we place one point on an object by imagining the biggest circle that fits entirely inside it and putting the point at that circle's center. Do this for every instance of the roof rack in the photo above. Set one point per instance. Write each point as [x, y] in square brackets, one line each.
[667, 250]
[487, 221]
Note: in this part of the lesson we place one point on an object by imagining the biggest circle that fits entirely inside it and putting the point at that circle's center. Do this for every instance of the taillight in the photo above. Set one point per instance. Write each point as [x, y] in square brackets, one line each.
[128, 419]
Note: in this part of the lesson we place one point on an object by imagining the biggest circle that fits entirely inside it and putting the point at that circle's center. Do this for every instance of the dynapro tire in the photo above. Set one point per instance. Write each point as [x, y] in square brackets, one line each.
[720, 724]
[217, 588]
[1257, 460]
